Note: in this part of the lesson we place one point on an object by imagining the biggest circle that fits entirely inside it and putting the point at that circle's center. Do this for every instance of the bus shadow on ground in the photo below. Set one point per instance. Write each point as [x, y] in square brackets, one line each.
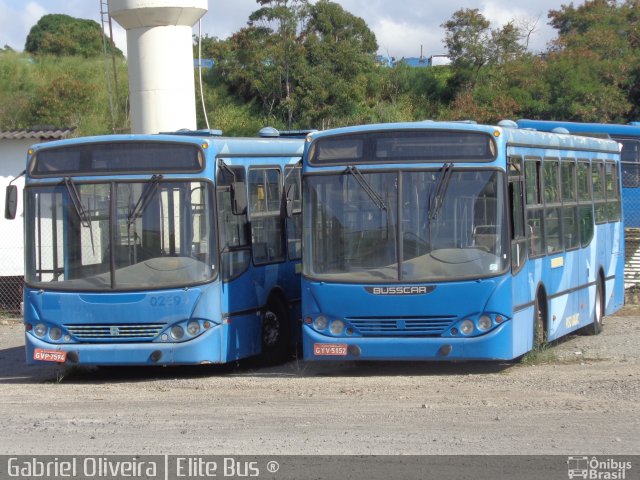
[14, 370]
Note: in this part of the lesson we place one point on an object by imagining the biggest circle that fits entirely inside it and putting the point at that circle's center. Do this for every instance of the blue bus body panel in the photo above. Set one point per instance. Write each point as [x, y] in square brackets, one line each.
[81, 315]
[245, 297]
[415, 327]
[207, 348]
[496, 345]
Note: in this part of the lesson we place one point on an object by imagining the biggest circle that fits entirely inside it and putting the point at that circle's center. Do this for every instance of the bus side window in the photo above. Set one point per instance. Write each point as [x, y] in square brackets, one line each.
[234, 238]
[569, 204]
[585, 203]
[534, 208]
[599, 198]
[293, 192]
[516, 204]
[612, 192]
[552, 227]
[265, 213]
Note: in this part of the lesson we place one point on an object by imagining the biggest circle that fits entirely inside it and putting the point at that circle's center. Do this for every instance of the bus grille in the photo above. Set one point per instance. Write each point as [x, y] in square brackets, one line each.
[402, 326]
[116, 331]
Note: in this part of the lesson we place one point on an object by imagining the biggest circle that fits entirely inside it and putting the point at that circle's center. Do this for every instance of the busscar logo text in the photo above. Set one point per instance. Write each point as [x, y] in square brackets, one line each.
[399, 290]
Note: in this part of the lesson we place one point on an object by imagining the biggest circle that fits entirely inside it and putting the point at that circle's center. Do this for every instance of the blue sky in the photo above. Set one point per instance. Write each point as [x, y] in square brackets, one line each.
[401, 27]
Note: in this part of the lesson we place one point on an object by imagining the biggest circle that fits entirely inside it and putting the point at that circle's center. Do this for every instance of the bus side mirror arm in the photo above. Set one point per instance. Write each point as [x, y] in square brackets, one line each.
[11, 202]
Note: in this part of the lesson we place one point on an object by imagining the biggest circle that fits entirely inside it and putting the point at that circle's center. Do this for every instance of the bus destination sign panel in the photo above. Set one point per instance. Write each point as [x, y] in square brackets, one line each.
[117, 157]
[403, 147]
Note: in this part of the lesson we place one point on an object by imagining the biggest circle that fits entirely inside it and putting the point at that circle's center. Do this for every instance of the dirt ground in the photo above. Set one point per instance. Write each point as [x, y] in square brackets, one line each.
[578, 397]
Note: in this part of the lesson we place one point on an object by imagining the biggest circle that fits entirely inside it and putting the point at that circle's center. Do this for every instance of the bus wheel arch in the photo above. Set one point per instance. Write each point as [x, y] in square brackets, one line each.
[540, 319]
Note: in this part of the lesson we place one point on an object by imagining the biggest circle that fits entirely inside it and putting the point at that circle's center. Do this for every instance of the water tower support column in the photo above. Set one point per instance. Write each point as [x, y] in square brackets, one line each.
[160, 59]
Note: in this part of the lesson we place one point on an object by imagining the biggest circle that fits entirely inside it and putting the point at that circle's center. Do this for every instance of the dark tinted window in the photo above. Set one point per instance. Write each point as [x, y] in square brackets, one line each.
[120, 157]
[419, 145]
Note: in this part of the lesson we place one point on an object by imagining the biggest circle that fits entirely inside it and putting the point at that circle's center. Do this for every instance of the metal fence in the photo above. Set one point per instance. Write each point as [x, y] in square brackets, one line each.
[632, 265]
[10, 295]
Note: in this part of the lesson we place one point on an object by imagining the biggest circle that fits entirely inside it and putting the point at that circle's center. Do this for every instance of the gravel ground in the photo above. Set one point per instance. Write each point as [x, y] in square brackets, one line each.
[579, 396]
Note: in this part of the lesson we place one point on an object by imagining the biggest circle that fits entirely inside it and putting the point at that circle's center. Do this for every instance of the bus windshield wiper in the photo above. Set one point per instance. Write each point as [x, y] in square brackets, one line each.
[74, 195]
[144, 200]
[366, 186]
[439, 190]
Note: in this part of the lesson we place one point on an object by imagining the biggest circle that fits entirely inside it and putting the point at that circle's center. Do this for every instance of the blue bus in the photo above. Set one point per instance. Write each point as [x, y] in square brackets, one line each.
[629, 137]
[456, 241]
[161, 249]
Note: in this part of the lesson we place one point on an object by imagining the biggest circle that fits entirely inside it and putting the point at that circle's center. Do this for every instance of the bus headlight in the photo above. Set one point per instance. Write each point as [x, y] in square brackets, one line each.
[320, 323]
[484, 323]
[55, 333]
[177, 332]
[467, 327]
[337, 327]
[193, 328]
[40, 330]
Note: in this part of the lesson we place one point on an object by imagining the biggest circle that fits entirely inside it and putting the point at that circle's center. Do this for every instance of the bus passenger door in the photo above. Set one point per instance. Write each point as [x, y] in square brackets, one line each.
[521, 288]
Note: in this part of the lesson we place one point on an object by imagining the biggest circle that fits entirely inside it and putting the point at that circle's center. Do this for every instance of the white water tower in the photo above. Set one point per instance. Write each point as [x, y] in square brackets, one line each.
[160, 59]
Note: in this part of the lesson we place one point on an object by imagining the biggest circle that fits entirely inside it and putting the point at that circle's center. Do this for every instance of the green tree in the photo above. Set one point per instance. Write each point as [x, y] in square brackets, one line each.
[473, 47]
[61, 35]
[279, 22]
[477, 88]
[468, 39]
[595, 60]
[300, 65]
[340, 56]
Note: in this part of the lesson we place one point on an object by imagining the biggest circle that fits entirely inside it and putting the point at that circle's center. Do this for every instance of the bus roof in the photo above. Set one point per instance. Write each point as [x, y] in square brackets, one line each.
[232, 146]
[577, 127]
[509, 132]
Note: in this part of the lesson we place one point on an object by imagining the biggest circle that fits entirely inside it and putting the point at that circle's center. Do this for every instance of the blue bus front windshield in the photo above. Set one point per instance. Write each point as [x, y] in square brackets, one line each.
[410, 226]
[119, 236]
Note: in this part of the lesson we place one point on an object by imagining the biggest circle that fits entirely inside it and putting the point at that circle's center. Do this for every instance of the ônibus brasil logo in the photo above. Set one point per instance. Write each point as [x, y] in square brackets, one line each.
[597, 469]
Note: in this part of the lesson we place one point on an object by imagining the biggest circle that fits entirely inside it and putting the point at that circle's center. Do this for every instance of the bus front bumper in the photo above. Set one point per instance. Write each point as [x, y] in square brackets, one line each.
[204, 349]
[495, 345]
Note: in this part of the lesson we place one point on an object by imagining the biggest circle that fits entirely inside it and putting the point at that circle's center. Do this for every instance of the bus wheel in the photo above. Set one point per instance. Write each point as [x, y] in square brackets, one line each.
[598, 312]
[539, 320]
[275, 332]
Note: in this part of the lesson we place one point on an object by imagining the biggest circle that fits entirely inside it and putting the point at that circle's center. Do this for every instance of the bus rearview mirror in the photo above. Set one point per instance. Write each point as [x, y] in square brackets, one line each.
[11, 202]
[239, 198]
[288, 201]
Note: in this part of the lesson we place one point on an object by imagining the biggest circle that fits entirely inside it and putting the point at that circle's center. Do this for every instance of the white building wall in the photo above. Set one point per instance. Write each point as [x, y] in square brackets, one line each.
[13, 157]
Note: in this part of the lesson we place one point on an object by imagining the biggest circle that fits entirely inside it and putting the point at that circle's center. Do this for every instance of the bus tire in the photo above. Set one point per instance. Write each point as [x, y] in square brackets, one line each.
[275, 332]
[598, 311]
[539, 322]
